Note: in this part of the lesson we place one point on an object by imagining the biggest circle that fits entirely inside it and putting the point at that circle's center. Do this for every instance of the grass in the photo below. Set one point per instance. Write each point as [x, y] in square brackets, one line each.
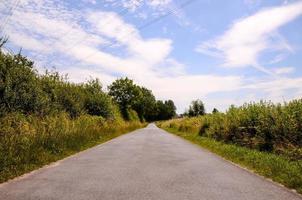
[263, 126]
[278, 168]
[30, 142]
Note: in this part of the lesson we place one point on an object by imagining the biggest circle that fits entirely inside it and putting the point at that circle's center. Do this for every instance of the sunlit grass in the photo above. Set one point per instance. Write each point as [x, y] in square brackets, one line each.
[29, 142]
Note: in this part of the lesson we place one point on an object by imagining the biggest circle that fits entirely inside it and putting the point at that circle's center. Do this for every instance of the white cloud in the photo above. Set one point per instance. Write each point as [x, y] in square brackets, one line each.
[183, 89]
[132, 5]
[90, 1]
[277, 89]
[157, 3]
[252, 2]
[284, 70]
[82, 38]
[242, 43]
[152, 50]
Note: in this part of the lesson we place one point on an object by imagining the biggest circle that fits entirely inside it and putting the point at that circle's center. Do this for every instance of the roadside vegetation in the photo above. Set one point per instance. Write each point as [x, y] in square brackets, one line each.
[264, 137]
[44, 117]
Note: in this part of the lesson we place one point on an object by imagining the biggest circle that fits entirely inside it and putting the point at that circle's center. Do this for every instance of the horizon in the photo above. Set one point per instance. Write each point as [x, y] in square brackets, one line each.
[222, 53]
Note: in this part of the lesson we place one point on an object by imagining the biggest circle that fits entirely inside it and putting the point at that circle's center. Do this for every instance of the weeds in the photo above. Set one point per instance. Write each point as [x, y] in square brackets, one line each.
[263, 126]
[28, 142]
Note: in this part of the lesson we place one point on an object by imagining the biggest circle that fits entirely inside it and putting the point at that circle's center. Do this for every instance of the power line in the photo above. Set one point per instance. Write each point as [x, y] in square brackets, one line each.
[147, 24]
[122, 13]
[10, 13]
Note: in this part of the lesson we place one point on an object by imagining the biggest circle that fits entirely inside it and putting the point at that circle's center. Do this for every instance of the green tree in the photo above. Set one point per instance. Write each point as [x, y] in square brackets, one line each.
[196, 108]
[19, 86]
[97, 102]
[166, 110]
[126, 94]
[215, 110]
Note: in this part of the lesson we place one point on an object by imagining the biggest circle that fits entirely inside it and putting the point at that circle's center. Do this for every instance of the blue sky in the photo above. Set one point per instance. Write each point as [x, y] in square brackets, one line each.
[222, 52]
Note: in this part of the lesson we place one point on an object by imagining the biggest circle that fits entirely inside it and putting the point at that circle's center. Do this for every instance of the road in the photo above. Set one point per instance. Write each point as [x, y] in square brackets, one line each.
[147, 164]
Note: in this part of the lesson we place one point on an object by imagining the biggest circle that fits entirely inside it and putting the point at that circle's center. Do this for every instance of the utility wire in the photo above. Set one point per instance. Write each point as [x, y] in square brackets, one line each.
[122, 13]
[10, 13]
[172, 11]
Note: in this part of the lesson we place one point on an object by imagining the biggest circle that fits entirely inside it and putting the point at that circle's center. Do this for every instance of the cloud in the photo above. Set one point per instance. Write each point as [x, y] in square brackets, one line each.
[96, 43]
[247, 38]
[284, 70]
[90, 1]
[278, 90]
[156, 3]
[132, 5]
[184, 88]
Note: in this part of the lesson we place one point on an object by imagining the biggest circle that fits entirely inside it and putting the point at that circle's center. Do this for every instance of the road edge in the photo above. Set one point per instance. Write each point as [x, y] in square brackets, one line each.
[293, 191]
[56, 163]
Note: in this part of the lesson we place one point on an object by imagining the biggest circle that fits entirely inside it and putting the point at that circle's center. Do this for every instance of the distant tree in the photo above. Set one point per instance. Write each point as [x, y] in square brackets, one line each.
[215, 110]
[171, 109]
[126, 94]
[141, 100]
[196, 108]
[166, 110]
[146, 106]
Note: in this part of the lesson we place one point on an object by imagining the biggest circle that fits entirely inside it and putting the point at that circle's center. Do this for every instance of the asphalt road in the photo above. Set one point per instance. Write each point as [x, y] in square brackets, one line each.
[145, 164]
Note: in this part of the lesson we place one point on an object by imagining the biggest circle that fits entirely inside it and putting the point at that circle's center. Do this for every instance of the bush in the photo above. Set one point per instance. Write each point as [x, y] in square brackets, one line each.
[23, 90]
[19, 86]
[263, 126]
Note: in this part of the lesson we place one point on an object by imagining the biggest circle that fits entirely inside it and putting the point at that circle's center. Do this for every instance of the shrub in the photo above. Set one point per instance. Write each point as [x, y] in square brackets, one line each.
[263, 126]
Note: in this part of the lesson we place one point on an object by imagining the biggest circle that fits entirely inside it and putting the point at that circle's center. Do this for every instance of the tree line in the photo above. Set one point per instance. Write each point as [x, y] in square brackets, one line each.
[197, 108]
[24, 90]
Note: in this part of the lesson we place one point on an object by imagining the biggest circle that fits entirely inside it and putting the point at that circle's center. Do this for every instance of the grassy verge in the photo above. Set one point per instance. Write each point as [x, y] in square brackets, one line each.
[29, 142]
[278, 168]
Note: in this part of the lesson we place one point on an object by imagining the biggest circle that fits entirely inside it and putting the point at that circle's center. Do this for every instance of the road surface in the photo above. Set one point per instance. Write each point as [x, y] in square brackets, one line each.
[147, 164]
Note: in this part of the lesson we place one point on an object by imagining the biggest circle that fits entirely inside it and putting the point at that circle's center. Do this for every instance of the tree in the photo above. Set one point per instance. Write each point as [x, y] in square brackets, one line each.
[19, 86]
[97, 102]
[132, 97]
[126, 94]
[215, 111]
[170, 109]
[165, 110]
[146, 105]
[196, 108]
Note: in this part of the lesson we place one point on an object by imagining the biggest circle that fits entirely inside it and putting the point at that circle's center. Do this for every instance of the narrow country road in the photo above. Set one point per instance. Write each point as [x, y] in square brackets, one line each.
[145, 164]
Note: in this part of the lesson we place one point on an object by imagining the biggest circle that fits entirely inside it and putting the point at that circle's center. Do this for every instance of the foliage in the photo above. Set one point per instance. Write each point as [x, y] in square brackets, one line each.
[130, 96]
[126, 94]
[165, 110]
[196, 108]
[215, 110]
[262, 126]
[23, 90]
[20, 89]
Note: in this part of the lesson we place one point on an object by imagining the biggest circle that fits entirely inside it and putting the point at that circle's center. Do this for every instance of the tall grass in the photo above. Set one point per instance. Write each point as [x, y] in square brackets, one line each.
[262, 126]
[29, 141]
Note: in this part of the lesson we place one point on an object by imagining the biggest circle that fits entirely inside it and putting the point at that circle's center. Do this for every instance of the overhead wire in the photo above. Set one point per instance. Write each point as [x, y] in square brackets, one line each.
[122, 13]
[151, 22]
[10, 13]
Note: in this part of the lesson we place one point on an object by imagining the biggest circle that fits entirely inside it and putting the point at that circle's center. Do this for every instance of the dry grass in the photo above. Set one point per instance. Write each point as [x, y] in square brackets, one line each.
[29, 142]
